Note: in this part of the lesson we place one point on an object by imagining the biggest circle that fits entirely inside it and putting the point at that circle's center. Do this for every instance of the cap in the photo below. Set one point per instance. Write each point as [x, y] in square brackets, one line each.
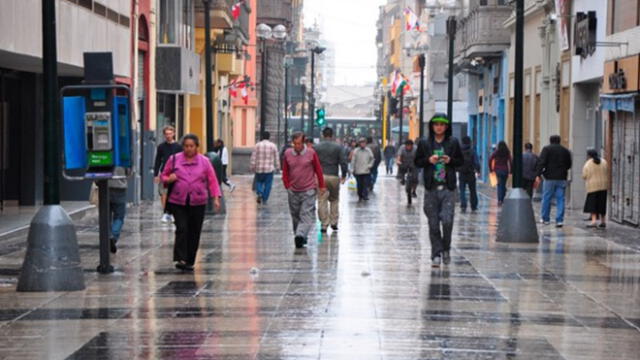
[440, 119]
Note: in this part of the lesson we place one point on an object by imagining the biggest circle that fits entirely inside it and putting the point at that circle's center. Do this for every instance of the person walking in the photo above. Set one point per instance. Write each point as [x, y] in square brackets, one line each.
[300, 170]
[553, 165]
[377, 155]
[194, 182]
[221, 151]
[389, 153]
[406, 161]
[264, 161]
[117, 206]
[362, 160]
[596, 176]
[529, 175]
[439, 154]
[467, 175]
[500, 163]
[163, 152]
[331, 158]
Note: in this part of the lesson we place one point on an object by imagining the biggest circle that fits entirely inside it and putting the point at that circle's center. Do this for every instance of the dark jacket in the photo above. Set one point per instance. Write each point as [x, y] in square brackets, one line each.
[377, 155]
[471, 164]
[554, 162]
[332, 158]
[163, 152]
[451, 148]
[389, 152]
[529, 164]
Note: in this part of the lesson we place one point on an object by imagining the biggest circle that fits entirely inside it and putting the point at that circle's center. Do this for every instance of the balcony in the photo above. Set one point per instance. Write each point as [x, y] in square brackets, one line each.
[221, 17]
[177, 69]
[273, 12]
[482, 33]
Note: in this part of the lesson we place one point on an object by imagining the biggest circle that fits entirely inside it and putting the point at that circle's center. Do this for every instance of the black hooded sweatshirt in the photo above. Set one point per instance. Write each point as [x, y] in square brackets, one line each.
[425, 150]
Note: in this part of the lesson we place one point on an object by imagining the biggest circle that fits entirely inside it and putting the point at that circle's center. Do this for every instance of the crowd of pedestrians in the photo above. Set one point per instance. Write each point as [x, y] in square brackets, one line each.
[312, 173]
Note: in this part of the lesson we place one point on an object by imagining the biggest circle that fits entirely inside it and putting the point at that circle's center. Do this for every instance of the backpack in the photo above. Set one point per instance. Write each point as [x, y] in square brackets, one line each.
[468, 166]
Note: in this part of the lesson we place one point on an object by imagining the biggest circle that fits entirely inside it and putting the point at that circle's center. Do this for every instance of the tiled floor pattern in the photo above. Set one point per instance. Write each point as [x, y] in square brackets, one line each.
[365, 292]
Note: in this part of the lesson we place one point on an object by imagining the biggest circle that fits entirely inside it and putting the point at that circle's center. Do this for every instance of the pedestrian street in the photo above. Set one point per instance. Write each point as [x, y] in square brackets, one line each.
[367, 291]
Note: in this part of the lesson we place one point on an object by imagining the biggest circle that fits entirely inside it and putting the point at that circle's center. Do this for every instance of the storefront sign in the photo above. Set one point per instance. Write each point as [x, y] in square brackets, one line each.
[621, 75]
[618, 80]
[585, 34]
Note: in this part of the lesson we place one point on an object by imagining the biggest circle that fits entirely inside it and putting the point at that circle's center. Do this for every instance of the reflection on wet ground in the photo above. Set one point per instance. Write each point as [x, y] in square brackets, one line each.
[365, 292]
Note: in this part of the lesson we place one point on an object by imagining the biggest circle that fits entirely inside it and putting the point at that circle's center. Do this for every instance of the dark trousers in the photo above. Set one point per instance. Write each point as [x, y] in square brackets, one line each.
[503, 176]
[362, 181]
[373, 177]
[527, 185]
[464, 181]
[225, 179]
[439, 206]
[188, 221]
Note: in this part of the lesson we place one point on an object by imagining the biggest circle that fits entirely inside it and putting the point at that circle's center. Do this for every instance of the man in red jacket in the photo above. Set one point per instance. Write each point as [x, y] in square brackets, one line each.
[302, 177]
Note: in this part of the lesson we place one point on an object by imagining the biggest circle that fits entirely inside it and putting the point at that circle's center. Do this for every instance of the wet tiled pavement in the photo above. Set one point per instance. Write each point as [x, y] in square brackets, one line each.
[366, 292]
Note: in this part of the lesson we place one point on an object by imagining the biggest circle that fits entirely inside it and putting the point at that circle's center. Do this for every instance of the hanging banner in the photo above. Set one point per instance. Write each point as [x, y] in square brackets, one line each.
[563, 9]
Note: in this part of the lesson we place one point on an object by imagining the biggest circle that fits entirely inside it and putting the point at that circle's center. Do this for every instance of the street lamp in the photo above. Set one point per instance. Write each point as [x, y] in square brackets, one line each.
[451, 32]
[207, 72]
[312, 99]
[264, 33]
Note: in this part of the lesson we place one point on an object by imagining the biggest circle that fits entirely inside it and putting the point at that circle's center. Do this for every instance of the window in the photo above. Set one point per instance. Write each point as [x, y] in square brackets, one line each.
[623, 15]
[176, 25]
[167, 26]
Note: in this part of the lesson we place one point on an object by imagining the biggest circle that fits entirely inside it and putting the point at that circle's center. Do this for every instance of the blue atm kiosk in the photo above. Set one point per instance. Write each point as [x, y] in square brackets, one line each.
[97, 140]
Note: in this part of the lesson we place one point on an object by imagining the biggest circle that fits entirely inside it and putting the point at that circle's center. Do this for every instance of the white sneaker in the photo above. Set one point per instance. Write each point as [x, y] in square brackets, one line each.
[172, 219]
[232, 187]
[166, 218]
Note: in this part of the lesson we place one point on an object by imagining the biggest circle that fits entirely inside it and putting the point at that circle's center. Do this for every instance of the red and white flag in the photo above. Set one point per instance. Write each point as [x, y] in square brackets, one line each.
[236, 10]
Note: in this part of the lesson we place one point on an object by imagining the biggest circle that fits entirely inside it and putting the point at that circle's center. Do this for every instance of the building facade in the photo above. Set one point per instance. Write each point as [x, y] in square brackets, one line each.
[82, 26]
[621, 110]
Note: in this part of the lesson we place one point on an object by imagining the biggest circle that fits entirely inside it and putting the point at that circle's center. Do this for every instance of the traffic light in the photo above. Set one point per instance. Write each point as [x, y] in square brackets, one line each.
[320, 120]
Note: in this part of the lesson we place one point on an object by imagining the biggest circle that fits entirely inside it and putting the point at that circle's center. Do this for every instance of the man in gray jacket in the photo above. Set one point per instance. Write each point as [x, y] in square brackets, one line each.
[362, 161]
[332, 158]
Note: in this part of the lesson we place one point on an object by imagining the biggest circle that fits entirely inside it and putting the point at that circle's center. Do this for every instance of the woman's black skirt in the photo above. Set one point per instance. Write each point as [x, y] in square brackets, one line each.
[596, 202]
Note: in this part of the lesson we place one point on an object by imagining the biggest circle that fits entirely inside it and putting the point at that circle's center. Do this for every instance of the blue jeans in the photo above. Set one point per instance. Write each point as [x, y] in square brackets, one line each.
[374, 177]
[503, 176]
[263, 185]
[117, 210]
[389, 162]
[555, 188]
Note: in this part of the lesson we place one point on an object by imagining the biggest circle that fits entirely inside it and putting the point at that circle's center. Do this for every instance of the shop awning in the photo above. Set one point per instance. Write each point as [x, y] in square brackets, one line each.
[621, 102]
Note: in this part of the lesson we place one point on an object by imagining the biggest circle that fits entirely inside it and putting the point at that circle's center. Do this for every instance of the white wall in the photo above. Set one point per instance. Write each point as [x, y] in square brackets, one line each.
[591, 67]
[78, 31]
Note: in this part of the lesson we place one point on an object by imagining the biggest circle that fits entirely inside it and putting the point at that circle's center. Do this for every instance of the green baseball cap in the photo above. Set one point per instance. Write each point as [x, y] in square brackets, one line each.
[440, 119]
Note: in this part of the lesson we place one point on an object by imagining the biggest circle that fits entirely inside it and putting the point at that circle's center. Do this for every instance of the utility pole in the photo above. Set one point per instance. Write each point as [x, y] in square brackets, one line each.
[207, 71]
[286, 102]
[517, 223]
[451, 32]
[421, 62]
[312, 96]
[400, 112]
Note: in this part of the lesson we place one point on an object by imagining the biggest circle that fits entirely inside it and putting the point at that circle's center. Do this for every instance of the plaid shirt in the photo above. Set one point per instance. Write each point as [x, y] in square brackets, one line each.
[264, 158]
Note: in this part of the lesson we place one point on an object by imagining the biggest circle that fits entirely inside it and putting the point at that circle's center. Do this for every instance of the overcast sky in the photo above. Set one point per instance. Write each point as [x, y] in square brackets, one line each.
[351, 26]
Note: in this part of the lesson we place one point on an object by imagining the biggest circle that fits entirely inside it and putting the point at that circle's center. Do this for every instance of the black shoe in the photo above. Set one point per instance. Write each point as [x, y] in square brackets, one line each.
[112, 245]
[300, 241]
[365, 198]
[402, 182]
[409, 199]
[259, 199]
[323, 230]
[334, 227]
[446, 258]
[463, 210]
[602, 226]
[435, 262]
[414, 194]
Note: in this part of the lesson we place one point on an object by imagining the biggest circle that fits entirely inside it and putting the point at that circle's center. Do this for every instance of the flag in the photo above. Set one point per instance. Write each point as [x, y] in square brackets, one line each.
[403, 86]
[245, 95]
[411, 20]
[236, 9]
[395, 82]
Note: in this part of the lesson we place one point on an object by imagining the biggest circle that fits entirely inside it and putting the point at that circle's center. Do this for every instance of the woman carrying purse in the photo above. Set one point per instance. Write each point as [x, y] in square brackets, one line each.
[192, 181]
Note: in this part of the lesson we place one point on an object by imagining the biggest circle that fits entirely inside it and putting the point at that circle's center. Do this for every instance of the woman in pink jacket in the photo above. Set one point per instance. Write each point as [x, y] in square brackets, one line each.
[192, 181]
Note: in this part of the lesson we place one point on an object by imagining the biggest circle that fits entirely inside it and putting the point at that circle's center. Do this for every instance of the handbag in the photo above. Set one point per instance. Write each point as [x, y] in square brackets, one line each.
[493, 179]
[169, 186]
[94, 194]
